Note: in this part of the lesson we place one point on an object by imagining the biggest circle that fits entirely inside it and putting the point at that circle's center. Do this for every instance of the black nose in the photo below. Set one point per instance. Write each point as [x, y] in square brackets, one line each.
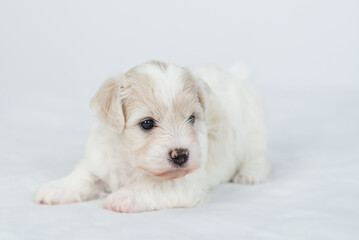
[179, 156]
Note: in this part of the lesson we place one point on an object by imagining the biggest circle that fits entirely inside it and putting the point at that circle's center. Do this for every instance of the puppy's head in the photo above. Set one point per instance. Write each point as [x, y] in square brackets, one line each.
[159, 112]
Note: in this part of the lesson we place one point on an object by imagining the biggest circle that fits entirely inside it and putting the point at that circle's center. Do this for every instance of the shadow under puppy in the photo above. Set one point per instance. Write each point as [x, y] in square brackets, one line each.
[164, 136]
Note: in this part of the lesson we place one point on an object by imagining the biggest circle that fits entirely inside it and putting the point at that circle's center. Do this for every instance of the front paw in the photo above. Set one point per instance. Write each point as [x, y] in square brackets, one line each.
[58, 192]
[126, 202]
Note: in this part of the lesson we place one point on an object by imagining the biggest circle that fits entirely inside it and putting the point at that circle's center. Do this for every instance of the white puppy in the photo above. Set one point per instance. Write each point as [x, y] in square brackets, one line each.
[165, 135]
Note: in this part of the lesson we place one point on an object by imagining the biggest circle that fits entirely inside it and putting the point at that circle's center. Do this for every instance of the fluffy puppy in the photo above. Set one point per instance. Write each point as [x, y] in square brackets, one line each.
[164, 136]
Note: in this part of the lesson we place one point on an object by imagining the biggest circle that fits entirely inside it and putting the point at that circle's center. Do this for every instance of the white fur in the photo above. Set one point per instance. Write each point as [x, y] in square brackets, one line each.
[227, 142]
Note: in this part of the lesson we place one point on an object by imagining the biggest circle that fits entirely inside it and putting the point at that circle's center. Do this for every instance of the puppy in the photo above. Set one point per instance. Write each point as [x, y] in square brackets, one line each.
[164, 136]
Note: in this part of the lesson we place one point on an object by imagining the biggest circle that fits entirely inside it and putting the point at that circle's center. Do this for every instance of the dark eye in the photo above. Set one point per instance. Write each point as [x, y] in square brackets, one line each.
[191, 119]
[147, 124]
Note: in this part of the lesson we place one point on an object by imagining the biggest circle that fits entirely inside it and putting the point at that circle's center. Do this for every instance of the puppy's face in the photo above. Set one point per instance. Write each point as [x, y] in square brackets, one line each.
[163, 112]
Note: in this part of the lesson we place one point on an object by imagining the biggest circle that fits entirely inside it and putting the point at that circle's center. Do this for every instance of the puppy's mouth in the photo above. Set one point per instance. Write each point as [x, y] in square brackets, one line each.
[170, 174]
[173, 174]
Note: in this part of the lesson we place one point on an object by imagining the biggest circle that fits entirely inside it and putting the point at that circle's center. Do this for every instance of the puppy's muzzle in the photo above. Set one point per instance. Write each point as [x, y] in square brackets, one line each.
[179, 156]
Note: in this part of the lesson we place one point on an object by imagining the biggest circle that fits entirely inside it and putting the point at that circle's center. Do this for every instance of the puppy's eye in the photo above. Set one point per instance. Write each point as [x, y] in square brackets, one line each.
[147, 124]
[191, 119]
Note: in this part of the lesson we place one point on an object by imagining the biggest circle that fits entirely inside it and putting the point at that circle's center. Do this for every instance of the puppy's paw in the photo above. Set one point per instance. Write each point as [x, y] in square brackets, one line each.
[252, 173]
[58, 192]
[125, 202]
[248, 178]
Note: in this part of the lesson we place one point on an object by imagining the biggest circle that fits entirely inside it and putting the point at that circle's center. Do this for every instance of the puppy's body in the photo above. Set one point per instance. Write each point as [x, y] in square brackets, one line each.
[208, 127]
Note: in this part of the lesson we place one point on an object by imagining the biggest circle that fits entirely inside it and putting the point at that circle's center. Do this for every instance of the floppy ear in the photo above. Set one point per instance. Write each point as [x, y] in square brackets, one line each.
[108, 105]
[203, 91]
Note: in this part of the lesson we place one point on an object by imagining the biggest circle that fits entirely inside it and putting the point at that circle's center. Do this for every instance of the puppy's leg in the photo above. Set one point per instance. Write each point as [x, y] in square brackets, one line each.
[155, 196]
[252, 172]
[79, 185]
[254, 168]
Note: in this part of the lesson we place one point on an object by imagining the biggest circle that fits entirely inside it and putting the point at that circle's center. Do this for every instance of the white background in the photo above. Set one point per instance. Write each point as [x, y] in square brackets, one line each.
[55, 54]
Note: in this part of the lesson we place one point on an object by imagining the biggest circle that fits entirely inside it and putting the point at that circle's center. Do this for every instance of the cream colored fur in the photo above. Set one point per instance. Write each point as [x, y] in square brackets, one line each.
[130, 166]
